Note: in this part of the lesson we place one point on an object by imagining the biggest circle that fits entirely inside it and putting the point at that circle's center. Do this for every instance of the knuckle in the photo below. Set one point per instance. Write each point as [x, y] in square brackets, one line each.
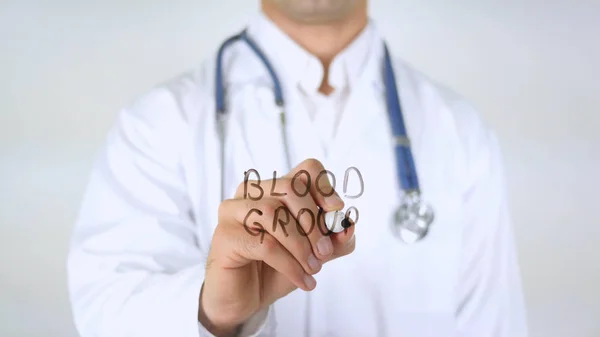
[304, 229]
[240, 189]
[285, 181]
[299, 246]
[223, 207]
[306, 217]
[313, 164]
[298, 185]
[286, 187]
[269, 207]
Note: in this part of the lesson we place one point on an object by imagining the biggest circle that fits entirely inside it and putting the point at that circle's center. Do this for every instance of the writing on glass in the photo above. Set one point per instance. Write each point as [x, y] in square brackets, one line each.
[283, 218]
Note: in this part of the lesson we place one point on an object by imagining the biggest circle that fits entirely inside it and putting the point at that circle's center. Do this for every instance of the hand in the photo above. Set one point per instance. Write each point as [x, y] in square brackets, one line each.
[248, 270]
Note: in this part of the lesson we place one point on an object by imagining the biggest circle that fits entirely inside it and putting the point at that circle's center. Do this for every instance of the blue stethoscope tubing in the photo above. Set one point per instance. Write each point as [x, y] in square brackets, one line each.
[413, 217]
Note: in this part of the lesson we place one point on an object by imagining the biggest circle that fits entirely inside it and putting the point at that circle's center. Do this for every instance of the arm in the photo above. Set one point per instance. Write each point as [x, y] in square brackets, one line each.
[135, 268]
[490, 299]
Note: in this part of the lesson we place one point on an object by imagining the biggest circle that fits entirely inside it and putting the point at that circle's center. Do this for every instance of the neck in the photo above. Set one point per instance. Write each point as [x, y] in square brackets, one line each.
[324, 41]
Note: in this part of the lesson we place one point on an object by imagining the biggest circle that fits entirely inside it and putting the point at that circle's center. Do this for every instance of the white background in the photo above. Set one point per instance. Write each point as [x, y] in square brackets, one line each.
[532, 68]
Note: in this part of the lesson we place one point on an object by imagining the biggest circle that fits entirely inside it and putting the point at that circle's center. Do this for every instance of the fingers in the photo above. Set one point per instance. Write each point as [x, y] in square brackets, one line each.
[312, 177]
[307, 215]
[298, 195]
[263, 247]
[307, 194]
[312, 173]
[273, 217]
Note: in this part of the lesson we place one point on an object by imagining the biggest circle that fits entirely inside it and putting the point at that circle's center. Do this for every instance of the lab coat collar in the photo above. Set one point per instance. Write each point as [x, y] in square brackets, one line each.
[366, 103]
[304, 69]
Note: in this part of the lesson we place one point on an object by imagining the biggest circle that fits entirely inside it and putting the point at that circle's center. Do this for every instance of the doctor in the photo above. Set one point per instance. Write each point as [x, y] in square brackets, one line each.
[167, 244]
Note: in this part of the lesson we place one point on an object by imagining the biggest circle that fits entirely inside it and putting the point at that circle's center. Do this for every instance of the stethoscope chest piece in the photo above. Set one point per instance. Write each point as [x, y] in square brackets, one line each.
[412, 219]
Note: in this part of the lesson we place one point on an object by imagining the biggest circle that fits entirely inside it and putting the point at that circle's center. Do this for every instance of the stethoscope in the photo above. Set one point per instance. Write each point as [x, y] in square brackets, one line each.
[413, 217]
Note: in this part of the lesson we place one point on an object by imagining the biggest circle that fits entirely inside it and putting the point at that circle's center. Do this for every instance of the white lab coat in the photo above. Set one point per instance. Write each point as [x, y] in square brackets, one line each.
[137, 258]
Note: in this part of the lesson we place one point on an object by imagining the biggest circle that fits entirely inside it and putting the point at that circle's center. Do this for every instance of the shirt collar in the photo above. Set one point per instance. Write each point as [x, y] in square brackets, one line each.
[304, 69]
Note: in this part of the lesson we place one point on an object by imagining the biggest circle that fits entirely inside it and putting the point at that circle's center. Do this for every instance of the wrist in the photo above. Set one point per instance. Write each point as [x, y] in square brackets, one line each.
[214, 326]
